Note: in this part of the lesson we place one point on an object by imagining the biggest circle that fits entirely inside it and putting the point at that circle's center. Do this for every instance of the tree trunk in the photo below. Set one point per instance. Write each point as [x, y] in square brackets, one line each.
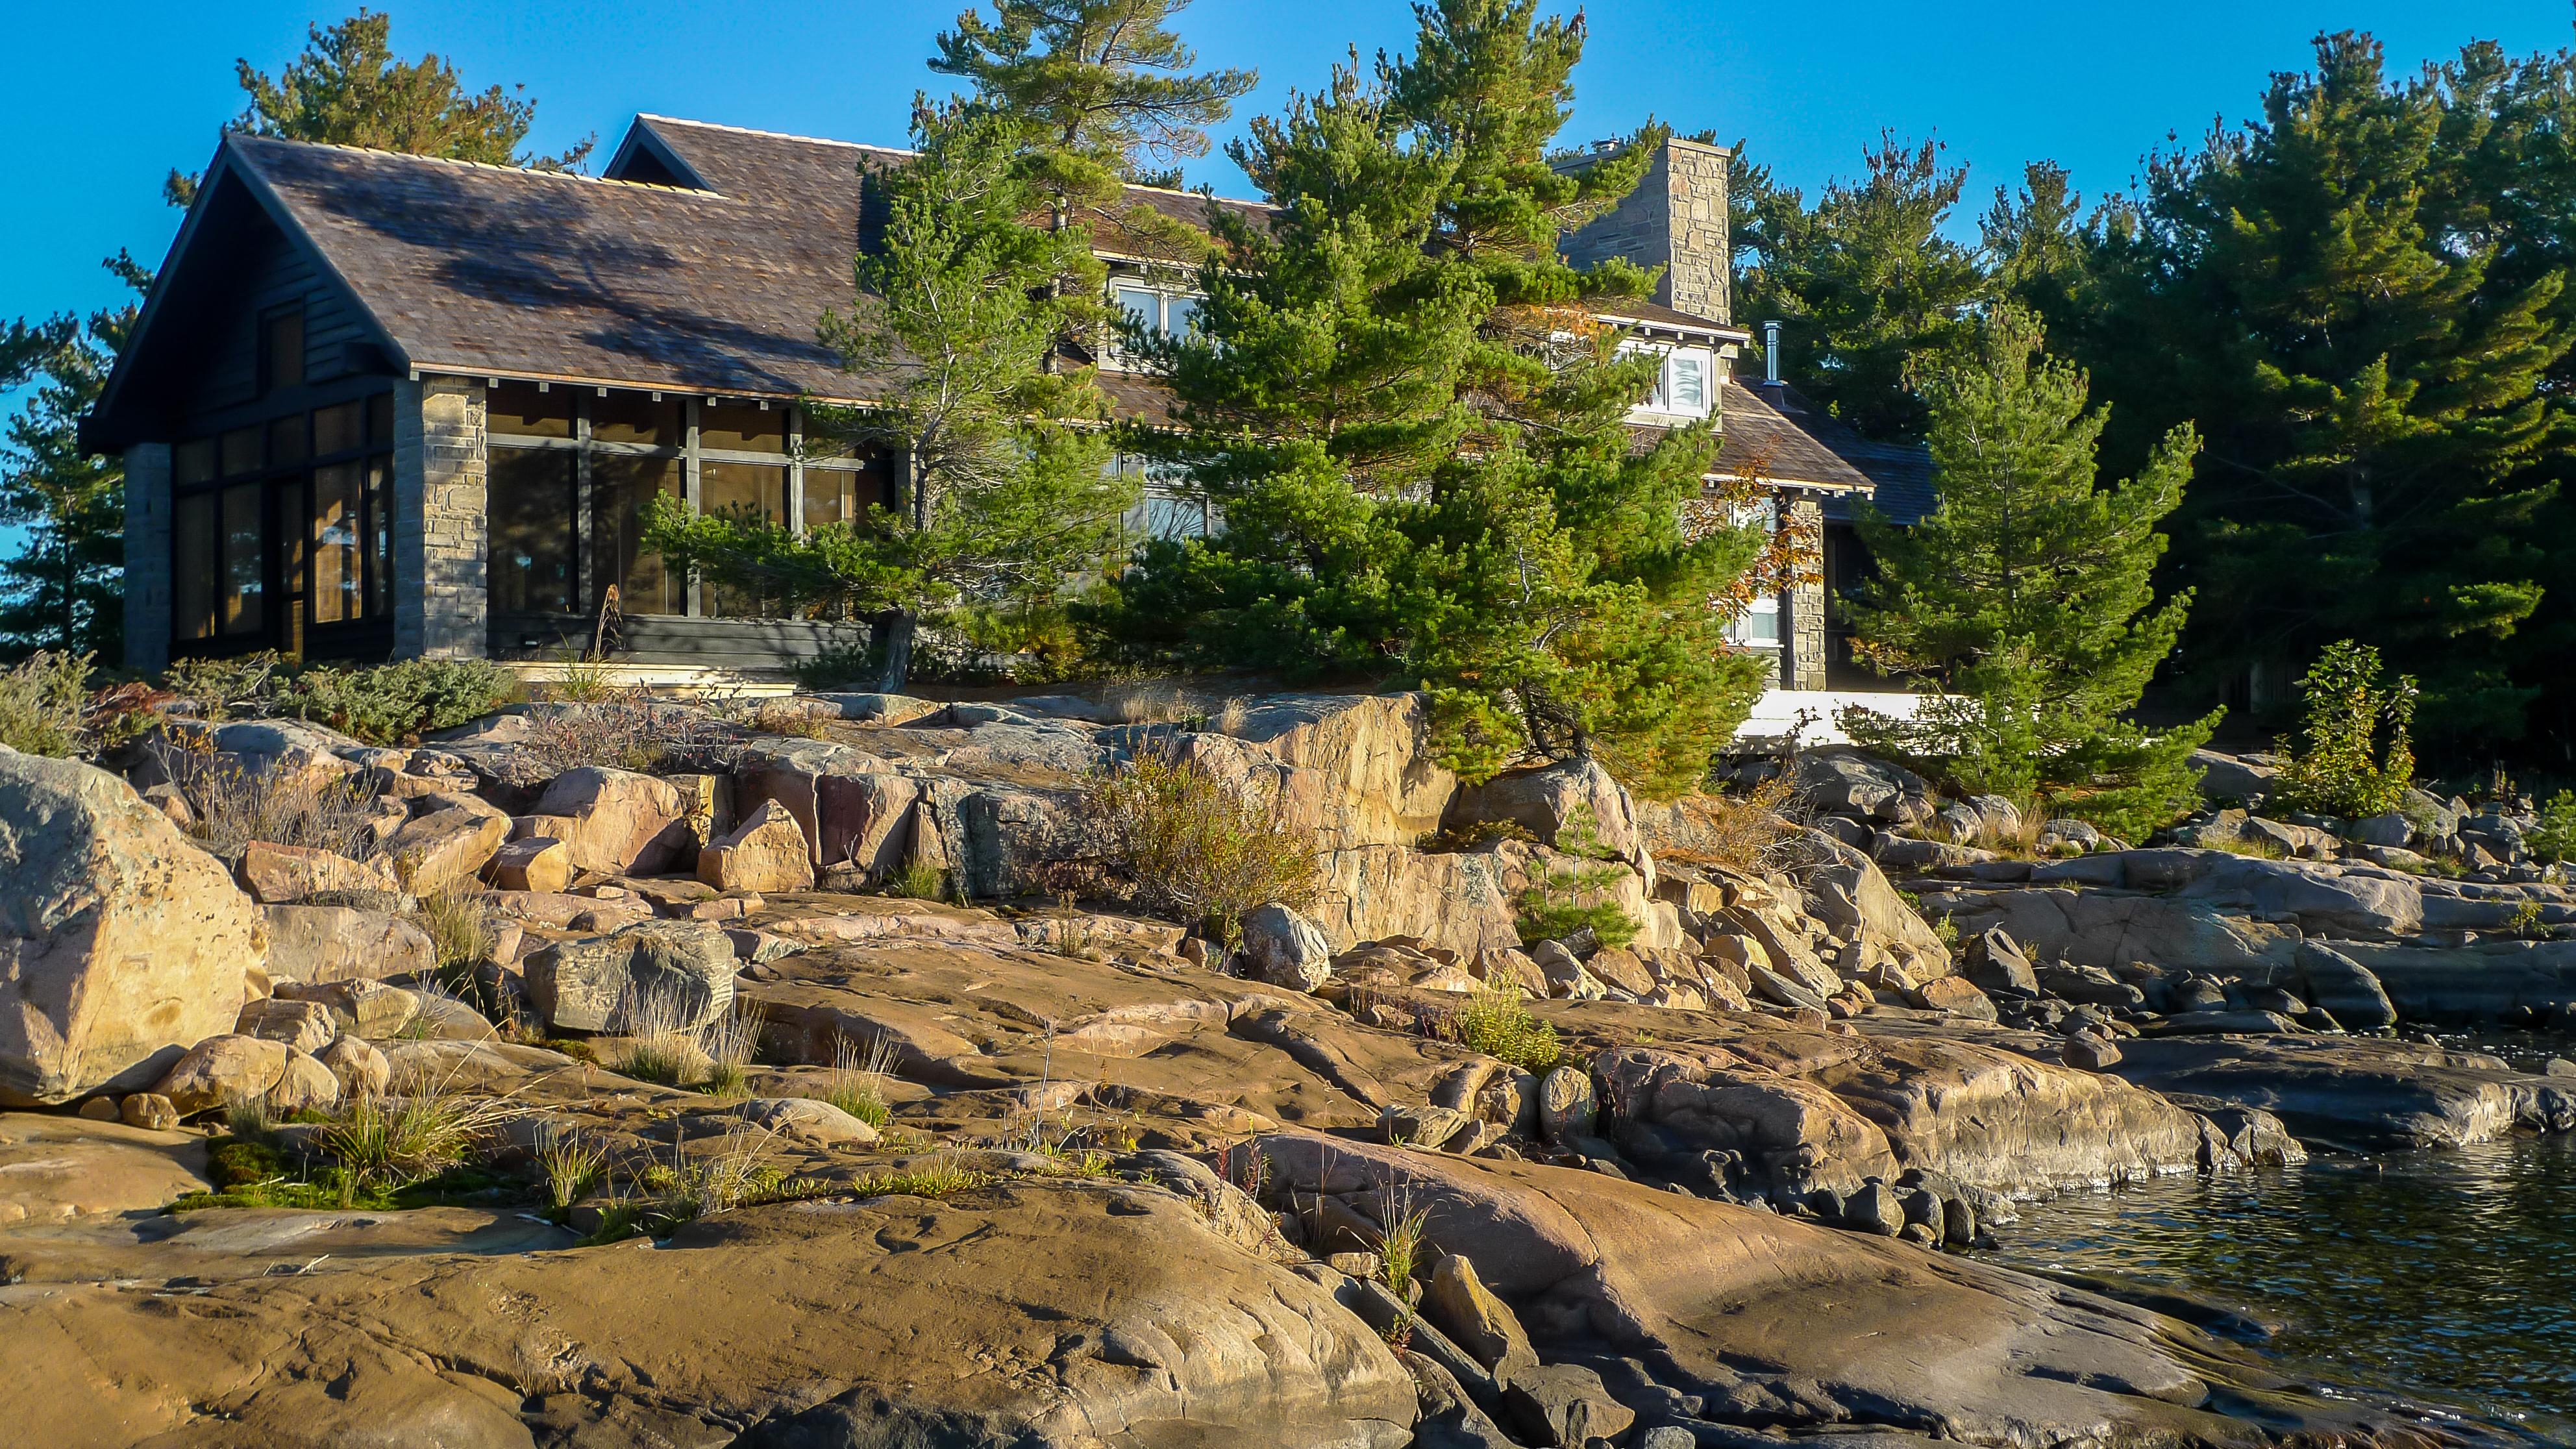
[894, 646]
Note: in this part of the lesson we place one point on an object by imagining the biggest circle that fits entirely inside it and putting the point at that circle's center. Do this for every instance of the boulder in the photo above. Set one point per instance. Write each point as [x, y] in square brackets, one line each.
[2090, 1053]
[866, 822]
[2226, 777]
[304, 1084]
[360, 1069]
[2391, 831]
[1564, 1403]
[342, 943]
[221, 1069]
[1459, 1304]
[579, 985]
[306, 1026]
[366, 1009]
[1360, 770]
[1846, 890]
[1286, 949]
[1565, 1105]
[283, 874]
[1997, 963]
[614, 821]
[148, 1110]
[531, 863]
[2344, 987]
[808, 1120]
[121, 942]
[1573, 806]
[766, 852]
[1844, 781]
[1956, 996]
[445, 848]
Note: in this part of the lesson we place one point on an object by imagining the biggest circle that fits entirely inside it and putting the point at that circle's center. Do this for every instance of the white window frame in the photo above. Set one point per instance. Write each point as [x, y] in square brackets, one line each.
[1112, 355]
[1660, 402]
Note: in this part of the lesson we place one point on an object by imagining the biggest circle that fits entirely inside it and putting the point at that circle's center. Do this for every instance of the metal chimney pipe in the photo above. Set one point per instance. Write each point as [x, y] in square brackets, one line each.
[1771, 354]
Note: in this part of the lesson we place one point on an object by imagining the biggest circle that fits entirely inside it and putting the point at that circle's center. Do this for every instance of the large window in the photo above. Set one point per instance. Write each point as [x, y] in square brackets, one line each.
[1153, 312]
[573, 472]
[283, 534]
[1687, 385]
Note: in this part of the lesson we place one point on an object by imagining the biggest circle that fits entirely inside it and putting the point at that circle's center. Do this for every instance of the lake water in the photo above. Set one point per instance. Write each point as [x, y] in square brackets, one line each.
[2445, 1279]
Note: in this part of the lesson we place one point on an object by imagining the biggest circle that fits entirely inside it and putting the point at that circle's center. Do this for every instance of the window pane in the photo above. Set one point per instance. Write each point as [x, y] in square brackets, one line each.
[742, 430]
[1690, 392]
[1142, 308]
[619, 489]
[380, 526]
[517, 409]
[832, 496]
[633, 417]
[732, 487]
[338, 546]
[242, 452]
[338, 430]
[192, 588]
[194, 462]
[380, 419]
[1182, 314]
[239, 596]
[531, 513]
[286, 440]
[284, 345]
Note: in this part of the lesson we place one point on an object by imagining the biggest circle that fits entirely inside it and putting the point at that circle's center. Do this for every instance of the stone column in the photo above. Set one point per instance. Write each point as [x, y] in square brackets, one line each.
[1695, 279]
[1802, 633]
[441, 536]
[147, 557]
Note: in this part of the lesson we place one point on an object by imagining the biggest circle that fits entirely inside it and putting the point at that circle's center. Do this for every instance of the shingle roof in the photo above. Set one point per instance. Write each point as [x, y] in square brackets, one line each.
[1760, 442]
[1900, 474]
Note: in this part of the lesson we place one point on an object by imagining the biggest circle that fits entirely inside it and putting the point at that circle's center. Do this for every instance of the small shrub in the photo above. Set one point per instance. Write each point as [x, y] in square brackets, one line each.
[238, 1162]
[841, 666]
[1752, 832]
[1191, 848]
[2553, 840]
[583, 681]
[857, 1083]
[1465, 838]
[627, 729]
[2354, 758]
[41, 704]
[1496, 1023]
[223, 689]
[2525, 922]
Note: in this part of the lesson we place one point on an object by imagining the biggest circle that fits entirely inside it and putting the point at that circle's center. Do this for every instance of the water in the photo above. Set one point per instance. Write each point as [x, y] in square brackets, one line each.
[2438, 1278]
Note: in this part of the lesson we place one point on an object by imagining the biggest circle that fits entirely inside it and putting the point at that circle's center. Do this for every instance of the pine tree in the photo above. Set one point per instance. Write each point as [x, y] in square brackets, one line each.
[1004, 494]
[2361, 299]
[63, 590]
[1865, 279]
[2025, 600]
[347, 89]
[1421, 448]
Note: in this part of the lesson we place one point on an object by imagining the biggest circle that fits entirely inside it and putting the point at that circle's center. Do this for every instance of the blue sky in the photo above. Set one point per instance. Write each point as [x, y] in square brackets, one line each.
[109, 97]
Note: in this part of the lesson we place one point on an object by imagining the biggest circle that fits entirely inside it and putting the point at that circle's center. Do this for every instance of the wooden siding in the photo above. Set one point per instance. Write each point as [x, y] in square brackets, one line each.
[273, 273]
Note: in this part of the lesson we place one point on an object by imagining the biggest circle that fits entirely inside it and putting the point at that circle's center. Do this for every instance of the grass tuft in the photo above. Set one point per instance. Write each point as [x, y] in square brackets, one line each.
[857, 1083]
[1496, 1023]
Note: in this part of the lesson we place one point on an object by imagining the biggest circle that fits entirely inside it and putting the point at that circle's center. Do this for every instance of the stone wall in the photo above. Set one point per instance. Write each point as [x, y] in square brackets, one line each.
[1675, 219]
[441, 597]
[147, 557]
[1802, 632]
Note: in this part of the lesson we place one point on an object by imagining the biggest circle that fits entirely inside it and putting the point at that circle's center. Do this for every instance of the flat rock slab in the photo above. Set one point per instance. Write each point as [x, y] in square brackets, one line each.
[1023, 1315]
[221, 1244]
[54, 1168]
[2356, 1092]
[1770, 1320]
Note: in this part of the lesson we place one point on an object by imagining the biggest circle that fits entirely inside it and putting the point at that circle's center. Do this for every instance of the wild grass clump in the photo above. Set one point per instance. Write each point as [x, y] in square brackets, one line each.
[626, 728]
[937, 1177]
[460, 937]
[729, 1042]
[1754, 833]
[583, 680]
[918, 880]
[1495, 1022]
[405, 1140]
[1400, 1247]
[1192, 848]
[662, 1043]
[232, 806]
[41, 704]
[857, 1084]
[572, 1164]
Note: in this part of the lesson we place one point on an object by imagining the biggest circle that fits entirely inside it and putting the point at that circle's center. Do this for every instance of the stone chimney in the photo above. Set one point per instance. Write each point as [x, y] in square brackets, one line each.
[1675, 219]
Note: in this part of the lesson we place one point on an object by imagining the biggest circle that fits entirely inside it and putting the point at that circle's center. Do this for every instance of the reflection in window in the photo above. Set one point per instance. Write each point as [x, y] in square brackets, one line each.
[281, 347]
[1689, 382]
[831, 496]
[742, 430]
[239, 595]
[380, 522]
[517, 409]
[619, 489]
[633, 417]
[740, 488]
[193, 576]
[339, 573]
[530, 516]
[1758, 626]
[337, 430]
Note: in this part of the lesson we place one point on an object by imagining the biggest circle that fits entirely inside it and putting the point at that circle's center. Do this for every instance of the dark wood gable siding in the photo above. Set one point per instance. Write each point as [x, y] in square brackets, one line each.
[269, 272]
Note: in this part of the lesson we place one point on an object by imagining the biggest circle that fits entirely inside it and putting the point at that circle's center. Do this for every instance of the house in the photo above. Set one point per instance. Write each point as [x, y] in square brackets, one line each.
[386, 406]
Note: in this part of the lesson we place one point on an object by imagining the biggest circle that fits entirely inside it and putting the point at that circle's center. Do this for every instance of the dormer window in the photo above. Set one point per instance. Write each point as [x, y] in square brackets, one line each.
[1684, 386]
[1153, 313]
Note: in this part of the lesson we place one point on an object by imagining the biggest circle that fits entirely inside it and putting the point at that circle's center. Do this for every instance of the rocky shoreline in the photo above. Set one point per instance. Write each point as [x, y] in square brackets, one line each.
[1125, 1188]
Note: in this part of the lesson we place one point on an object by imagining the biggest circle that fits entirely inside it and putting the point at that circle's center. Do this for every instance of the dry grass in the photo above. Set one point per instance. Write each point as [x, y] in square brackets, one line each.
[234, 806]
[459, 934]
[662, 1042]
[627, 729]
[1157, 704]
[858, 1081]
[1753, 832]
[2021, 842]
[729, 1043]
[1191, 848]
